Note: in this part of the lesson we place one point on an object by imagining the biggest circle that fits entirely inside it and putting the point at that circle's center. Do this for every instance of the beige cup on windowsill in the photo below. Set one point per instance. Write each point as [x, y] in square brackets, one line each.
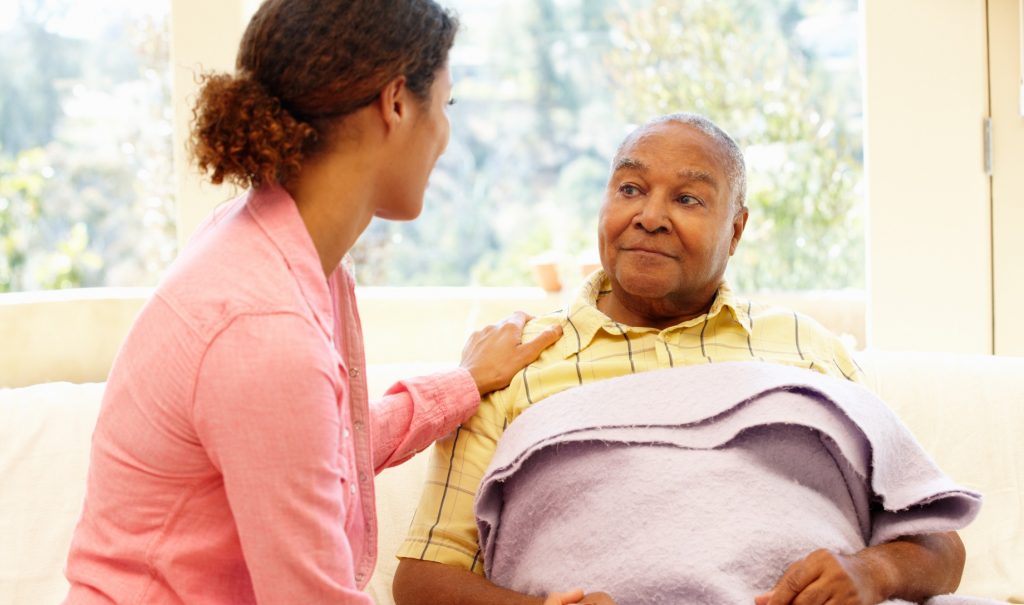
[588, 263]
[545, 271]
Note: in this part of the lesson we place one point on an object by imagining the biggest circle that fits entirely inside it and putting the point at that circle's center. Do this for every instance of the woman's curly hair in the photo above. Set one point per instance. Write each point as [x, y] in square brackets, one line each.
[302, 65]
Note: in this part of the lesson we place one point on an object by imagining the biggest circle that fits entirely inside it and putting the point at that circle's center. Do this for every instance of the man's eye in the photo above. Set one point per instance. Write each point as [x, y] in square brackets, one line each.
[688, 200]
[629, 190]
[451, 101]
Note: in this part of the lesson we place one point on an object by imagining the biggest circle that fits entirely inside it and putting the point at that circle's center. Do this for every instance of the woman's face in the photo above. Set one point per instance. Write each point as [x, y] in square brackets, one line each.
[426, 140]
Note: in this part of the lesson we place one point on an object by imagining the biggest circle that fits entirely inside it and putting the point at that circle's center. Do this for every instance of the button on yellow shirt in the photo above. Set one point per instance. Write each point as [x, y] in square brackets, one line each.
[593, 347]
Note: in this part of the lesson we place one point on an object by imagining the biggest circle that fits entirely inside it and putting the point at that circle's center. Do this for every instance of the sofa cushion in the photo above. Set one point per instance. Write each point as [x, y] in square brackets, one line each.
[968, 413]
[44, 456]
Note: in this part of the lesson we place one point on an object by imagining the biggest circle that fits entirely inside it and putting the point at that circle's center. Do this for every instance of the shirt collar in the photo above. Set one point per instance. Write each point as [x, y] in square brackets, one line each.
[275, 212]
[584, 320]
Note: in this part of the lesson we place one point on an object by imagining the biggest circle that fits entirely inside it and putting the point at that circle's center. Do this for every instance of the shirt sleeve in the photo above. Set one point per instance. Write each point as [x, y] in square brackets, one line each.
[267, 413]
[416, 412]
[826, 351]
[843, 360]
[444, 526]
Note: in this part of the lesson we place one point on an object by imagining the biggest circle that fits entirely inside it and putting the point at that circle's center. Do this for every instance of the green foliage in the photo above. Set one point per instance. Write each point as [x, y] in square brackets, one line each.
[548, 88]
[85, 151]
[20, 188]
[67, 266]
[525, 170]
[64, 262]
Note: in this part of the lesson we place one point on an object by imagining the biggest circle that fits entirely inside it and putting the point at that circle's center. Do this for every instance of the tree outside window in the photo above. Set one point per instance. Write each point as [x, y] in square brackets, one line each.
[546, 89]
[85, 144]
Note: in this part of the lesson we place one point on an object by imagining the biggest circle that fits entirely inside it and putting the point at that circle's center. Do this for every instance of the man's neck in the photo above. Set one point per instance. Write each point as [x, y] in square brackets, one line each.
[641, 313]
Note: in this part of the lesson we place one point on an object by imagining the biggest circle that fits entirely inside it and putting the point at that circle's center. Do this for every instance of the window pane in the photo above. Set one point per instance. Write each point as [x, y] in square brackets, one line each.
[546, 89]
[85, 143]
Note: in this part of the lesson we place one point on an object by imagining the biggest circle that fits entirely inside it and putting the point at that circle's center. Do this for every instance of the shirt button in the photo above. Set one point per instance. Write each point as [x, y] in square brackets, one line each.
[345, 433]
[352, 488]
[362, 477]
[359, 577]
[358, 425]
[353, 372]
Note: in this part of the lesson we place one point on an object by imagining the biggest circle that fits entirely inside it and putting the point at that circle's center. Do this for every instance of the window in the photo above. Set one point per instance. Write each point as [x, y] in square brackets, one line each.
[85, 143]
[546, 89]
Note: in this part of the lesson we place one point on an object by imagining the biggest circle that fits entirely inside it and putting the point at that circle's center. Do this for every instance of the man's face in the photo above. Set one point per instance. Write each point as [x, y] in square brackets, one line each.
[668, 224]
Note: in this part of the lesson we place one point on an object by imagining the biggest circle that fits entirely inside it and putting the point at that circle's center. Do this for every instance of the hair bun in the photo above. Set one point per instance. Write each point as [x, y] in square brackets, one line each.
[243, 135]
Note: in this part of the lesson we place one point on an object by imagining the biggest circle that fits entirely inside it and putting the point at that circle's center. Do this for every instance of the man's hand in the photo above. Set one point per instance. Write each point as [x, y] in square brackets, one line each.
[564, 598]
[825, 577]
[495, 353]
[912, 568]
[577, 597]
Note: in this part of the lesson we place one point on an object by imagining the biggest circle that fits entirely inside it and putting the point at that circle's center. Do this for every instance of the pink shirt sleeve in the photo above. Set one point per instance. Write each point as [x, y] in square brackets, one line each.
[269, 418]
[416, 412]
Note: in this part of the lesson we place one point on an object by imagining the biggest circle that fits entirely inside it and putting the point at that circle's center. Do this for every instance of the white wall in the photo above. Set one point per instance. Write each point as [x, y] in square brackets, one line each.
[204, 37]
[1005, 31]
[70, 335]
[929, 240]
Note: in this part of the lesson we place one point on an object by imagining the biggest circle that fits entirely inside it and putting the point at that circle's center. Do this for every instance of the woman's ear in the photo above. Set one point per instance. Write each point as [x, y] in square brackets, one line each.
[394, 103]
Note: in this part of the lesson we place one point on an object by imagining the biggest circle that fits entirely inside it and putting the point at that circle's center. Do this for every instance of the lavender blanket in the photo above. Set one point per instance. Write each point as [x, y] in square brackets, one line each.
[700, 485]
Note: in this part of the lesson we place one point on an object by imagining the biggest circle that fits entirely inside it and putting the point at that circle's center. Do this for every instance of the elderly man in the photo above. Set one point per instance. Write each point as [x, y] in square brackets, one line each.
[673, 215]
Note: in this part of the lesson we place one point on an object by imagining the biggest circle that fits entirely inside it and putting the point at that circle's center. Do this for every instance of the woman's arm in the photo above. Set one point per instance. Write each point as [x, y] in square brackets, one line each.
[418, 411]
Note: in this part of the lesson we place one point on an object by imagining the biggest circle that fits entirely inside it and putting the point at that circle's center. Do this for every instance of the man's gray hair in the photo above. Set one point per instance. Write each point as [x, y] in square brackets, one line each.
[736, 170]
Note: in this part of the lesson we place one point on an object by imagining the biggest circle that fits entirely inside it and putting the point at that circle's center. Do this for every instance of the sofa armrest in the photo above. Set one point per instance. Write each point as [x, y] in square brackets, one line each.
[967, 411]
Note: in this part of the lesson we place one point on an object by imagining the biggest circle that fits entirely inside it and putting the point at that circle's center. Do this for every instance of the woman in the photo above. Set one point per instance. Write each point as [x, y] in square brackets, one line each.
[234, 453]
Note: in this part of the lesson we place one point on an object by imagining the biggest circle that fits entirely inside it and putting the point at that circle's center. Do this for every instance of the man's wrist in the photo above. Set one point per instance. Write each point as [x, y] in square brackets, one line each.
[879, 572]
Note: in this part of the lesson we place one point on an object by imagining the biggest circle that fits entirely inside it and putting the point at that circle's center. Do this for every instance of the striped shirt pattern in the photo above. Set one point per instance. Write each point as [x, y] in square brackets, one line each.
[593, 347]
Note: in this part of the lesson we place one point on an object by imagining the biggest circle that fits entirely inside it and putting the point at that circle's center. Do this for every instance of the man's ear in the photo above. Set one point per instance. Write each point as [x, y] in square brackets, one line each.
[739, 223]
[393, 103]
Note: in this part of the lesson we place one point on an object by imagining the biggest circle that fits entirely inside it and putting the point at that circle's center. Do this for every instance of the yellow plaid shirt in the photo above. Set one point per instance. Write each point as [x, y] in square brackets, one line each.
[593, 347]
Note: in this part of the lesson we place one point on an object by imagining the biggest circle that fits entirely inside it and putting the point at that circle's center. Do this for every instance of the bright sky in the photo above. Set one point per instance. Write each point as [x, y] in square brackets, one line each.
[84, 18]
[8, 12]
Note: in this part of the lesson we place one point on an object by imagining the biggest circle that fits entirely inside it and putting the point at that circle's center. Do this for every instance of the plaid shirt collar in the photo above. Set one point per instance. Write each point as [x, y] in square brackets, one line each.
[583, 320]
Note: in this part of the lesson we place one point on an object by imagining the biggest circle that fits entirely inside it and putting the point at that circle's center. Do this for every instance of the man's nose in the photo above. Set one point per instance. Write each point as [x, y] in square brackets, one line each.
[653, 216]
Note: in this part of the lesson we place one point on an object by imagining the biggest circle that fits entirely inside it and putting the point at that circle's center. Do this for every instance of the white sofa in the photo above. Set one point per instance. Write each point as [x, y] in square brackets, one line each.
[968, 411]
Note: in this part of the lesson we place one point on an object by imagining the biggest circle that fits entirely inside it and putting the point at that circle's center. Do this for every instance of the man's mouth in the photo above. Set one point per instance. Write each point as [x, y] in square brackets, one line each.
[646, 250]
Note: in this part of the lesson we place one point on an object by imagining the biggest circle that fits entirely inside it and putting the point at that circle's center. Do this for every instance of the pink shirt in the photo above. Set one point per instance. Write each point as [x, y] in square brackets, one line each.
[234, 454]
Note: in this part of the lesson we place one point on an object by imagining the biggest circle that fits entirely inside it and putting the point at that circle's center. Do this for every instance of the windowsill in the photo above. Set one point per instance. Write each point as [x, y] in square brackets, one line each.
[74, 334]
[74, 295]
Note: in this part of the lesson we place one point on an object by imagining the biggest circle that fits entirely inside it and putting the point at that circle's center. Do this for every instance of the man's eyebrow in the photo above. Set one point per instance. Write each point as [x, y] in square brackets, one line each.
[686, 174]
[699, 175]
[630, 164]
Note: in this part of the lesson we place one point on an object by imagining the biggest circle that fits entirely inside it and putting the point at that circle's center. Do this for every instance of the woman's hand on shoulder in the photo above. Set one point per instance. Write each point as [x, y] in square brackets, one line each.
[495, 353]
